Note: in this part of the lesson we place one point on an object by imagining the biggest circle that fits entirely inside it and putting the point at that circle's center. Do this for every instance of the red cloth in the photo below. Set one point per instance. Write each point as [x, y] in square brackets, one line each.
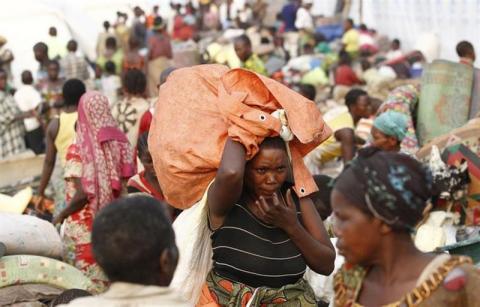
[107, 157]
[190, 127]
[140, 183]
[159, 45]
[181, 30]
[145, 122]
[344, 75]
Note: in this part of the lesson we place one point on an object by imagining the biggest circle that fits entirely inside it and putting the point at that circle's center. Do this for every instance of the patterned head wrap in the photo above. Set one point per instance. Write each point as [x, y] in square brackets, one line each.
[392, 187]
[107, 157]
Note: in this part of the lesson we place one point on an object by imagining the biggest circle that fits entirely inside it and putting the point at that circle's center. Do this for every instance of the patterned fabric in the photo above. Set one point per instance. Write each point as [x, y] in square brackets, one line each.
[51, 91]
[254, 64]
[452, 283]
[140, 183]
[445, 99]
[11, 131]
[248, 251]
[394, 187]
[21, 269]
[404, 99]
[223, 292]
[454, 155]
[364, 128]
[77, 227]
[127, 114]
[74, 67]
[6, 56]
[107, 157]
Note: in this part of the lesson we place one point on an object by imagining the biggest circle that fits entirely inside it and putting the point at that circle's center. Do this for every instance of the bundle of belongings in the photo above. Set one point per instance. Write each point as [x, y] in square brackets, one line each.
[187, 138]
[191, 126]
[454, 159]
[449, 98]
[31, 270]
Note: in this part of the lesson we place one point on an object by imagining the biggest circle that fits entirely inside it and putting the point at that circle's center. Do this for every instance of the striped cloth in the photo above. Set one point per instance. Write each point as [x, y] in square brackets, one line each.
[12, 131]
[248, 251]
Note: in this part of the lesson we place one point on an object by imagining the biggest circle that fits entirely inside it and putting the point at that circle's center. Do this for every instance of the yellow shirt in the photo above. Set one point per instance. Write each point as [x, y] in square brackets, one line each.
[337, 119]
[65, 135]
[254, 63]
[351, 40]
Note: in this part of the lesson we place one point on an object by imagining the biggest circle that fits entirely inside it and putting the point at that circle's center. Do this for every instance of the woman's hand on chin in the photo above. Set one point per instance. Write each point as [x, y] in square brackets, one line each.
[277, 212]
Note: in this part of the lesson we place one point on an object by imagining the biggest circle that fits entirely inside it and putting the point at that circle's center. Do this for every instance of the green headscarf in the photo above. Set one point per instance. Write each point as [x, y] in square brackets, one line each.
[392, 123]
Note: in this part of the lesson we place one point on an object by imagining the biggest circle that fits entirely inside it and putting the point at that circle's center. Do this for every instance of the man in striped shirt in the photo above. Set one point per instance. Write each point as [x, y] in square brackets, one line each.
[74, 66]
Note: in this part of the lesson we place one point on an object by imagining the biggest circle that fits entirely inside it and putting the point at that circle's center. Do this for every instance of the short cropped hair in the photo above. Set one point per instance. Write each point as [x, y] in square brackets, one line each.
[129, 236]
[352, 97]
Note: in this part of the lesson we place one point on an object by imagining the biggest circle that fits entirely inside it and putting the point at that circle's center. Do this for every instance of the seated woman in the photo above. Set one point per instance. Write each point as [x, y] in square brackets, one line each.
[377, 202]
[263, 237]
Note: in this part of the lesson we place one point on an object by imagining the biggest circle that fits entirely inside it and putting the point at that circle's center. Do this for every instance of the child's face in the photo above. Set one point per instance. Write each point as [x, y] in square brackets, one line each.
[147, 162]
[53, 71]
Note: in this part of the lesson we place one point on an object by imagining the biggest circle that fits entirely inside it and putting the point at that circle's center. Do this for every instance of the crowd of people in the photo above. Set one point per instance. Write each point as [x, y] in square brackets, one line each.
[259, 242]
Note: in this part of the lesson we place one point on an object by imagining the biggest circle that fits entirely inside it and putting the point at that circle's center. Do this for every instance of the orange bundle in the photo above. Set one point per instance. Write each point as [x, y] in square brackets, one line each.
[199, 107]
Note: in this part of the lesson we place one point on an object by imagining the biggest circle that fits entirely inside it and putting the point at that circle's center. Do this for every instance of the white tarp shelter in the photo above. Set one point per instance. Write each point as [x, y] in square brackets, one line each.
[414, 21]
[26, 22]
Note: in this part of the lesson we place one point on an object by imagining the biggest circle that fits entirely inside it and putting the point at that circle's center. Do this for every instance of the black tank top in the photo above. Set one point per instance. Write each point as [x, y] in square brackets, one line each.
[248, 251]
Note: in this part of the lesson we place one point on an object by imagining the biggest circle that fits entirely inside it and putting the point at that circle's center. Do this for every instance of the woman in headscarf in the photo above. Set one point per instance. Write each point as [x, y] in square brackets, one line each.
[377, 203]
[98, 164]
[404, 99]
[388, 131]
[263, 237]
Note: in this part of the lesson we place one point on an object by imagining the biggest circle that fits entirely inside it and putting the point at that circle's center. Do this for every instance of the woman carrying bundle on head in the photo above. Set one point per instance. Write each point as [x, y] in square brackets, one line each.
[263, 236]
[244, 236]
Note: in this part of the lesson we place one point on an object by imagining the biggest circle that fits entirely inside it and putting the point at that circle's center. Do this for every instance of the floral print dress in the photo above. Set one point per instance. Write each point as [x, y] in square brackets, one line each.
[78, 227]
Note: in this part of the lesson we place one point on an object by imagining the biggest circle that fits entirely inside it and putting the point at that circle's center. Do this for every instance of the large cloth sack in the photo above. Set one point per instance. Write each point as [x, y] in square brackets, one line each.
[199, 107]
[28, 294]
[444, 99]
[27, 269]
[475, 103]
[17, 203]
[24, 234]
